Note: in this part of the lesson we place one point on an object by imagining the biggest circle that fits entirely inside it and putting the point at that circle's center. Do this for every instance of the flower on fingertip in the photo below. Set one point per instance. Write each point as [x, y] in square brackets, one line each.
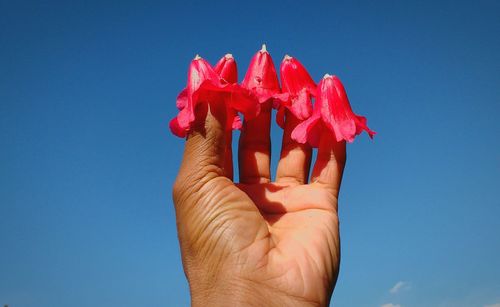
[296, 81]
[261, 77]
[227, 70]
[204, 85]
[332, 114]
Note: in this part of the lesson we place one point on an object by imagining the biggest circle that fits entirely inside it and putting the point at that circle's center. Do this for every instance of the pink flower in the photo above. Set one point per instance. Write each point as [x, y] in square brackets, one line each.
[204, 85]
[227, 70]
[261, 77]
[332, 114]
[296, 81]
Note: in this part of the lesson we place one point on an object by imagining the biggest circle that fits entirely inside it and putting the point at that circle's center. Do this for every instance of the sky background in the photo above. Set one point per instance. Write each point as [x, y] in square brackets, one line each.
[87, 161]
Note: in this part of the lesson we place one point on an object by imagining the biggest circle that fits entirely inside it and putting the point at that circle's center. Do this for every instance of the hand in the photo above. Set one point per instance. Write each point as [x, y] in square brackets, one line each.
[257, 243]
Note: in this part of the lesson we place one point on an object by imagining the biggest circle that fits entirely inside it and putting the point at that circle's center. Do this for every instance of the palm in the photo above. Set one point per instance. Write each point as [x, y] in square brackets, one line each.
[287, 234]
[281, 237]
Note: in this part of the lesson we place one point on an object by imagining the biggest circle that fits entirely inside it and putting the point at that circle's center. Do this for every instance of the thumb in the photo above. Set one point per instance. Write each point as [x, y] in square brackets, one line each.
[204, 151]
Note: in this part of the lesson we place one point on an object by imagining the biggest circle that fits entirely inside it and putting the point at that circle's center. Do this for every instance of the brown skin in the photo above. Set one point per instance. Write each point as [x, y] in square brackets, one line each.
[257, 243]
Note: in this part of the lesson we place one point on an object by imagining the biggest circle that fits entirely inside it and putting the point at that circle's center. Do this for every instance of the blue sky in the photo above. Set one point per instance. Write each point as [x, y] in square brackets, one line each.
[87, 161]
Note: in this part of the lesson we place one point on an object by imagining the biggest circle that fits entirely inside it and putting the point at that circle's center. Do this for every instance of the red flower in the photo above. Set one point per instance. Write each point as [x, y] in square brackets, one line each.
[205, 85]
[296, 81]
[261, 77]
[227, 70]
[332, 114]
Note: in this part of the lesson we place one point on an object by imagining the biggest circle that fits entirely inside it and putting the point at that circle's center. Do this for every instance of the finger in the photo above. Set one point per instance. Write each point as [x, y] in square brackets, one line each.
[330, 162]
[254, 152]
[295, 158]
[204, 151]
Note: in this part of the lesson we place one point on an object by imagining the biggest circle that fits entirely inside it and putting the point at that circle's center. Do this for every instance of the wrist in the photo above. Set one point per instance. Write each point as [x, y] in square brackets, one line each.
[232, 292]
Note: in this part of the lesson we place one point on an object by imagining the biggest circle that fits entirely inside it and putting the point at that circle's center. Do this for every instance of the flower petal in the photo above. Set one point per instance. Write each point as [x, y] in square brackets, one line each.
[301, 105]
[238, 99]
[309, 131]
[280, 117]
[205, 85]
[297, 82]
[361, 124]
[243, 101]
[261, 77]
[226, 68]
[182, 99]
[185, 117]
[355, 123]
[332, 113]
[176, 129]
[294, 77]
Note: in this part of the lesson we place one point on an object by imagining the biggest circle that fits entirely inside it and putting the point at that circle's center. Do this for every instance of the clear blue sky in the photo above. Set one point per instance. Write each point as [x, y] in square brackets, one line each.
[87, 161]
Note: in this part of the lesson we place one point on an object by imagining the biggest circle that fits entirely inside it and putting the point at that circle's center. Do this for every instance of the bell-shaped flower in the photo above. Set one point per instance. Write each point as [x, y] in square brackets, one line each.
[332, 114]
[204, 85]
[296, 81]
[261, 77]
[228, 70]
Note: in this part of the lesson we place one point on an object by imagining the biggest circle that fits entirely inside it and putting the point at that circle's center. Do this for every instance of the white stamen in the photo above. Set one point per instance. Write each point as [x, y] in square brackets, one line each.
[287, 58]
[228, 56]
[327, 76]
[197, 57]
[264, 48]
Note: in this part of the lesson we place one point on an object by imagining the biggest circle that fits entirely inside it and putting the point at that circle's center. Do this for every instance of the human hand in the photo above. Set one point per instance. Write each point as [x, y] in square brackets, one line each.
[257, 242]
